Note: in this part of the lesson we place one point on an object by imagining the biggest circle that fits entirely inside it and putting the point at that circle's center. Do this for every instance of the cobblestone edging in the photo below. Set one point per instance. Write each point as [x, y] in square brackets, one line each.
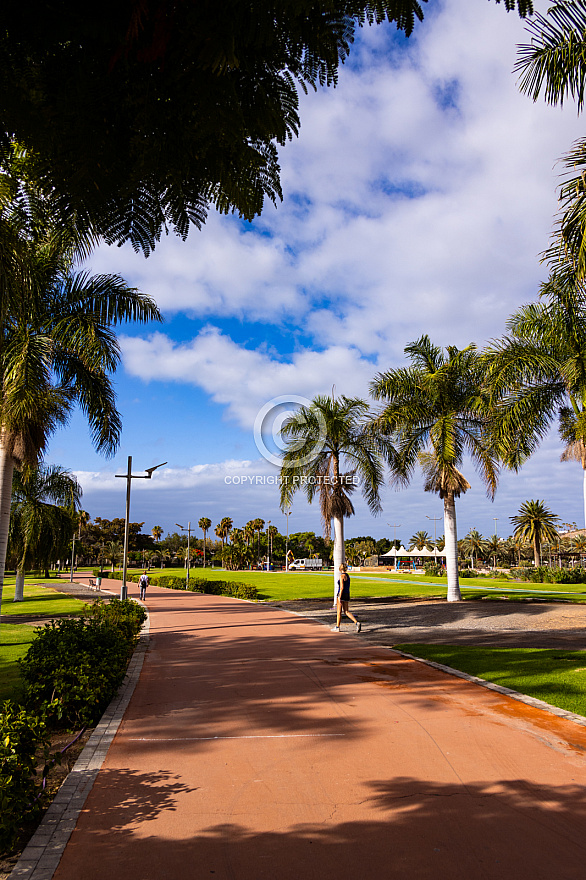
[43, 852]
[489, 685]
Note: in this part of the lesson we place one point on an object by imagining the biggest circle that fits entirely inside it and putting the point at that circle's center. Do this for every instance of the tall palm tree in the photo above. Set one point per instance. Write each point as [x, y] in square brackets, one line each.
[204, 524]
[226, 524]
[494, 547]
[221, 531]
[249, 530]
[259, 525]
[553, 63]
[474, 544]
[537, 373]
[57, 342]
[42, 521]
[157, 533]
[537, 523]
[321, 441]
[436, 413]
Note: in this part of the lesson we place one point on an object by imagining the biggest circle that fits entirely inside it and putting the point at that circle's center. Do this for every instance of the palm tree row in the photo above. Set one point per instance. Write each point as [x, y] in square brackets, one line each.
[492, 406]
[57, 343]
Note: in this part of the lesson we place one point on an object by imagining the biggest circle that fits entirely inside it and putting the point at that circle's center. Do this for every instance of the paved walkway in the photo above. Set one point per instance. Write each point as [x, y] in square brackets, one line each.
[258, 745]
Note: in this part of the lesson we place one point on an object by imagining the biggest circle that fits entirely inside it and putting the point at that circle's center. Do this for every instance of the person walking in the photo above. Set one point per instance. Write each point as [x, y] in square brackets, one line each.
[143, 583]
[343, 597]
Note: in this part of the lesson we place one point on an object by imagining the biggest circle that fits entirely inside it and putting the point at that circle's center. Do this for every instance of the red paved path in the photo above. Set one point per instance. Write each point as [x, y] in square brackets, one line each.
[260, 746]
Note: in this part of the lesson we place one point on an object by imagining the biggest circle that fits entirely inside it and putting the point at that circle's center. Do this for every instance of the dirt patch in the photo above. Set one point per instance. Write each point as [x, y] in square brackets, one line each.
[505, 624]
[55, 779]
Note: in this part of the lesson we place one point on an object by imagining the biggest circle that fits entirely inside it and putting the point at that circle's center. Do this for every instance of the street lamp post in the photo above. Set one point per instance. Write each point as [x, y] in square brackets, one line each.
[287, 514]
[188, 530]
[72, 559]
[129, 477]
[435, 519]
[269, 545]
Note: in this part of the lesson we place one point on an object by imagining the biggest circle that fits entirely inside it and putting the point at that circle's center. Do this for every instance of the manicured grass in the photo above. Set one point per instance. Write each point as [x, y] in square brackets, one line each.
[14, 643]
[38, 600]
[276, 586]
[281, 586]
[557, 677]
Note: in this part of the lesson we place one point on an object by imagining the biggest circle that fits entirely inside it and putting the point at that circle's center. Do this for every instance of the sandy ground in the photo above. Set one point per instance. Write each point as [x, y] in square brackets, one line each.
[505, 623]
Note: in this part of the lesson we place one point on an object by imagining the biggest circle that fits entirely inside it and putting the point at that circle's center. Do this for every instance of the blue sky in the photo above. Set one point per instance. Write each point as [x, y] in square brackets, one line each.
[416, 200]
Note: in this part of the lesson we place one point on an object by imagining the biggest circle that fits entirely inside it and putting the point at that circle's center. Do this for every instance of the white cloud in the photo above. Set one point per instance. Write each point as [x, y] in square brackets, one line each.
[244, 379]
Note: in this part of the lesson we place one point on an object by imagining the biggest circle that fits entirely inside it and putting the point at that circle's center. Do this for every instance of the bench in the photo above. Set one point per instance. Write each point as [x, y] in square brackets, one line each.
[92, 584]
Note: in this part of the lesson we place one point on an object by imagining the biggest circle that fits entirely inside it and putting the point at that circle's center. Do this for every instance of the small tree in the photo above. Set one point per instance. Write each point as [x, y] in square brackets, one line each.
[537, 523]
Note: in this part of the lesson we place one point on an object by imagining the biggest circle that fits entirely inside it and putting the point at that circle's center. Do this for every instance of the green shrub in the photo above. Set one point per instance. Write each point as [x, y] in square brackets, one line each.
[434, 569]
[565, 576]
[467, 573]
[73, 669]
[171, 582]
[127, 615]
[22, 735]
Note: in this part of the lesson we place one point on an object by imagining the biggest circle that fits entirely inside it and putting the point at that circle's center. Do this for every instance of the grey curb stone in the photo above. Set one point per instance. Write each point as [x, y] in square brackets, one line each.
[41, 857]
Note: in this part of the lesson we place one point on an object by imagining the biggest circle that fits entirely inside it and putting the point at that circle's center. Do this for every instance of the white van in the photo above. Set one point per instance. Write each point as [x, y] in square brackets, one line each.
[305, 565]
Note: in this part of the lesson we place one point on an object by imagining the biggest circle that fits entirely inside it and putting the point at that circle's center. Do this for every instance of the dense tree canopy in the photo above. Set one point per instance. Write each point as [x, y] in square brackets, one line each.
[143, 113]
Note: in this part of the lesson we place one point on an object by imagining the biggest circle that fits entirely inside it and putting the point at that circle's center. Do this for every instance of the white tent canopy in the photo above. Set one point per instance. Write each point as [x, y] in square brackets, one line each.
[393, 553]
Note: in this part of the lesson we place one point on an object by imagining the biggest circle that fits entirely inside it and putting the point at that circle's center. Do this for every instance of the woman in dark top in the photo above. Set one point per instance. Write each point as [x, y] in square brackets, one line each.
[343, 599]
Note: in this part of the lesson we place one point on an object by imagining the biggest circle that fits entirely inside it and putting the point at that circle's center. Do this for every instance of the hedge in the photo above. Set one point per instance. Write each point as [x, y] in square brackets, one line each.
[196, 584]
[544, 575]
[22, 735]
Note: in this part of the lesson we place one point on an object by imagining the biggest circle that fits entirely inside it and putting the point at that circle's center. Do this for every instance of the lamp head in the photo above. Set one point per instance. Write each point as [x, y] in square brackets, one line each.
[150, 470]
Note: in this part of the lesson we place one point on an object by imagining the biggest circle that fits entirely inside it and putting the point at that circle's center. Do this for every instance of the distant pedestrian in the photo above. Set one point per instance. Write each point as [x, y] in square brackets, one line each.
[343, 598]
[143, 583]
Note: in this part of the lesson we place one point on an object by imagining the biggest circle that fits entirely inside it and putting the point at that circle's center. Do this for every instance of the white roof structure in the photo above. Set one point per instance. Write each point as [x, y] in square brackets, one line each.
[393, 553]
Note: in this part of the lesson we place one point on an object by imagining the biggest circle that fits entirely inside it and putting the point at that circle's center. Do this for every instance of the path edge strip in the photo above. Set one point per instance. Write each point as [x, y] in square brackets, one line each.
[500, 689]
[41, 856]
[473, 679]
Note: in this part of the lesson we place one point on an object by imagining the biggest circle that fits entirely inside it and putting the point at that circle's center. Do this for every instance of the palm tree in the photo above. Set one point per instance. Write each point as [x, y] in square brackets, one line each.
[226, 524]
[157, 533]
[320, 441]
[57, 344]
[42, 521]
[536, 523]
[259, 525]
[249, 530]
[204, 525]
[420, 540]
[537, 372]
[579, 547]
[554, 62]
[113, 552]
[474, 544]
[494, 547]
[436, 412]
[221, 531]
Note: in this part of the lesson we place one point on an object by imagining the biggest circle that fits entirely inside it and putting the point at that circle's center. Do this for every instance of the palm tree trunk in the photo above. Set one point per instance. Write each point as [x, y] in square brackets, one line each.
[536, 553]
[584, 492]
[204, 548]
[339, 554]
[19, 586]
[451, 548]
[6, 472]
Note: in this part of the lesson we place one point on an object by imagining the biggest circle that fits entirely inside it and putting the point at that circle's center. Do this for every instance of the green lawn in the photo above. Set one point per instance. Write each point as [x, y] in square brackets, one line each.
[277, 586]
[557, 677]
[37, 600]
[14, 643]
